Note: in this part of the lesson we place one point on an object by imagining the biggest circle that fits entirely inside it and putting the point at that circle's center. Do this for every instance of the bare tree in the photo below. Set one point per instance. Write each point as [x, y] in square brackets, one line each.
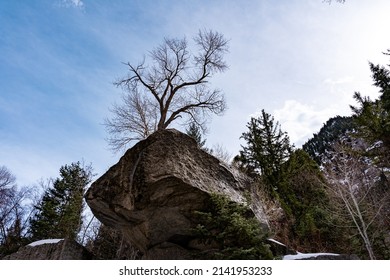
[353, 185]
[13, 212]
[7, 196]
[174, 85]
[7, 180]
[134, 119]
[221, 153]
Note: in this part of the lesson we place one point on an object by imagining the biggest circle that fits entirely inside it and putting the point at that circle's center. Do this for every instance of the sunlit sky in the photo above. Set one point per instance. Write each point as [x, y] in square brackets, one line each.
[300, 60]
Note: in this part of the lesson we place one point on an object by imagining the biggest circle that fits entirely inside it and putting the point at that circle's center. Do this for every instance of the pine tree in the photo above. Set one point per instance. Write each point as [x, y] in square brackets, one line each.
[266, 150]
[232, 229]
[292, 179]
[59, 213]
[373, 117]
[381, 77]
[303, 197]
[320, 145]
[194, 131]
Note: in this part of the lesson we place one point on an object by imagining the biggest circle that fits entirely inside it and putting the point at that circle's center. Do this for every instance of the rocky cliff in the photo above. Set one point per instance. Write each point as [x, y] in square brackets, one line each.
[152, 192]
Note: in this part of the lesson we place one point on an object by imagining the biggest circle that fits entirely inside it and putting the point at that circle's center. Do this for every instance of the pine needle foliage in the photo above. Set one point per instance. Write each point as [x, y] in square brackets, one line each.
[267, 148]
[59, 213]
[232, 230]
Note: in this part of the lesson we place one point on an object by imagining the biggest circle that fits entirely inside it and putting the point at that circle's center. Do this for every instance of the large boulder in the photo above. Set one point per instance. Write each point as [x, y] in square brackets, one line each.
[51, 249]
[152, 192]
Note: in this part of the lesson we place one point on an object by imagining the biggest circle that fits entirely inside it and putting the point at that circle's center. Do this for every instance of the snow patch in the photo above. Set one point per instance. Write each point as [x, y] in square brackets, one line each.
[44, 241]
[301, 256]
[277, 242]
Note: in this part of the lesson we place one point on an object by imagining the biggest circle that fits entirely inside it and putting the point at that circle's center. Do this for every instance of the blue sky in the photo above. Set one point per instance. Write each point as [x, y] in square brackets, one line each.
[300, 60]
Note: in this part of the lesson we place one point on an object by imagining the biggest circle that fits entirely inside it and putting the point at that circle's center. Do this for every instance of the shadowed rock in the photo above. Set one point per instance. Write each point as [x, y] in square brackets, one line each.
[154, 189]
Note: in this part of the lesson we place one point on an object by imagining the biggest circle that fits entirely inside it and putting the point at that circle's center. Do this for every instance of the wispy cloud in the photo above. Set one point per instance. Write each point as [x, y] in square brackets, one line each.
[339, 81]
[73, 3]
[338, 84]
[301, 120]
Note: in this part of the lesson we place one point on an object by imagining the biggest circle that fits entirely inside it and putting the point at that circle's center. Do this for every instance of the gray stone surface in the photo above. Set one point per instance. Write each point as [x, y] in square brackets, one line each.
[63, 250]
[154, 189]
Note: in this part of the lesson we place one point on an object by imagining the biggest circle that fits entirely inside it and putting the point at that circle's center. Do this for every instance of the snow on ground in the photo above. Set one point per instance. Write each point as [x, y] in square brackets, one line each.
[301, 256]
[44, 241]
[277, 242]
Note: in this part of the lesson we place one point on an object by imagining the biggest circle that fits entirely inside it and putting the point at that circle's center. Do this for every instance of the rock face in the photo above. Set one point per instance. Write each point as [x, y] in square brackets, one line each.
[64, 249]
[154, 189]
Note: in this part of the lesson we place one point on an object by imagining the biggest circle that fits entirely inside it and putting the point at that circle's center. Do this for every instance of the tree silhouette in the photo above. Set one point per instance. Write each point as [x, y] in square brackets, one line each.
[173, 83]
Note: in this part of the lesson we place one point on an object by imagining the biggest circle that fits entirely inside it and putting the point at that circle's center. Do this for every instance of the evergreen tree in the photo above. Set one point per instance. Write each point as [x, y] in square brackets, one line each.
[373, 117]
[266, 150]
[381, 77]
[320, 145]
[194, 131]
[303, 197]
[373, 120]
[59, 213]
[233, 231]
[292, 179]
